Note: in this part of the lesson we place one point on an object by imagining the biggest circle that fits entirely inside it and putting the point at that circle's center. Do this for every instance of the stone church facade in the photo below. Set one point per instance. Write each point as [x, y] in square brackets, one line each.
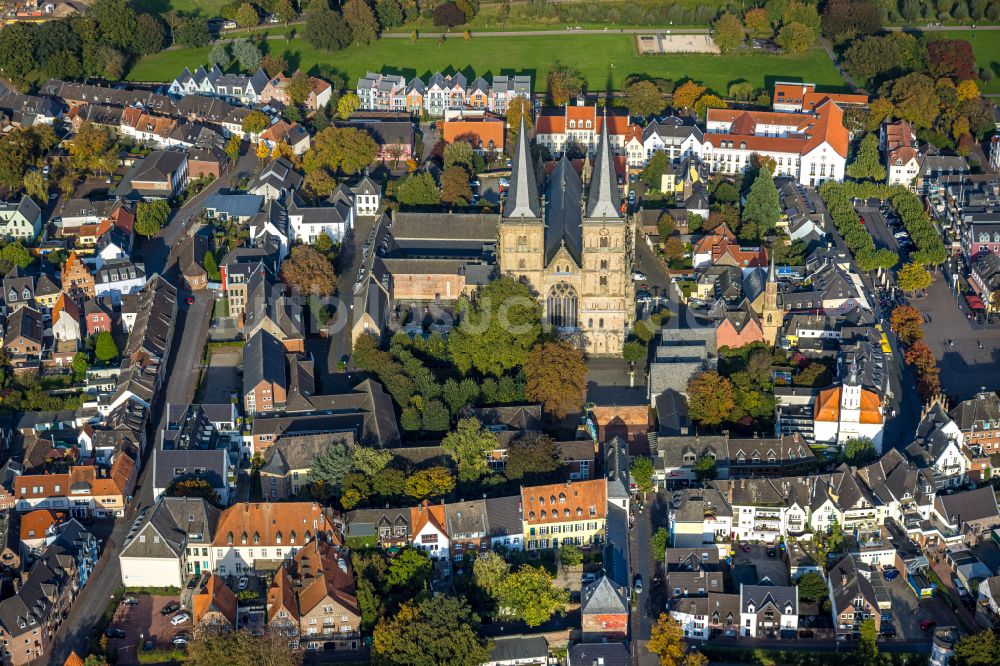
[574, 246]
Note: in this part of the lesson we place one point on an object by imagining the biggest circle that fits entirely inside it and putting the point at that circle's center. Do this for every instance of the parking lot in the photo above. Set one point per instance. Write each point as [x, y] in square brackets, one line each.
[774, 568]
[908, 611]
[142, 622]
[221, 376]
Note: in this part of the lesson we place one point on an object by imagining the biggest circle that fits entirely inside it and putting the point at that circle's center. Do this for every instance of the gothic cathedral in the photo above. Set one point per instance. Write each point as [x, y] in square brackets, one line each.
[574, 249]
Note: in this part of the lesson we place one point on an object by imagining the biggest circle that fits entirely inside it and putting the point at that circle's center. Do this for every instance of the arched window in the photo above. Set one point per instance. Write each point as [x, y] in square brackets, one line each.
[600, 323]
[561, 306]
[521, 264]
[604, 241]
[604, 282]
[604, 264]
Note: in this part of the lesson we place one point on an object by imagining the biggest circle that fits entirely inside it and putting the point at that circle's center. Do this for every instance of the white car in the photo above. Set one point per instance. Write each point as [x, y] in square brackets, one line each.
[638, 276]
[180, 618]
[901, 234]
[242, 584]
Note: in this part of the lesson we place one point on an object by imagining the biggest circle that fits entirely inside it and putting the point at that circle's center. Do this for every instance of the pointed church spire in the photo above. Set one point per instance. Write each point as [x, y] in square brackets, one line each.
[771, 277]
[602, 198]
[522, 200]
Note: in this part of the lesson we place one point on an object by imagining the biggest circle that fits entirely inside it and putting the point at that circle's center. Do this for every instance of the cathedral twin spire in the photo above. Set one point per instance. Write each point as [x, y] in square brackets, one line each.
[603, 200]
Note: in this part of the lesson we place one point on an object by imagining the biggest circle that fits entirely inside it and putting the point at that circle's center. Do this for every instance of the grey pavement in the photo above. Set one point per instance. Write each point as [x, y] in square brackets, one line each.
[650, 603]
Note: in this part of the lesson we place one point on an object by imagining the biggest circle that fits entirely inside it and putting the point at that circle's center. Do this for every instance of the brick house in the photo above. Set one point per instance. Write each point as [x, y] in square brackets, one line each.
[24, 332]
[604, 611]
[631, 422]
[979, 420]
[852, 597]
[213, 606]
[739, 327]
[97, 317]
[576, 509]
[265, 384]
[77, 280]
[483, 134]
[313, 599]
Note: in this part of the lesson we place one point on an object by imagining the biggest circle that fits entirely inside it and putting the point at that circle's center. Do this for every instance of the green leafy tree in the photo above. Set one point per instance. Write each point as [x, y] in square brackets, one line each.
[233, 148]
[979, 649]
[151, 216]
[309, 271]
[330, 466]
[867, 164]
[915, 99]
[80, 365]
[150, 34]
[327, 30]
[247, 16]
[641, 473]
[431, 482]
[238, 648]
[438, 630]
[563, 83]
[795, 37]
[498, 329]
[812, 587]
[531, 454]
[528, 595]
[410, 570]
[105, 348]
[346, 149]
[659, 543]
[117, 25]
[285, 11]
[704, 468]
[728, 33]
[711, 398]
[192, 31]
[219, 56]
[274, 64]
[489, 571]
[361, 19]
[867, 644]
[17, 50]
[644, 98]
[418, 189]
[455, 188]
[369, 461]
[389, 13]
[762, 209]
[633, 351]
[459, 153]
[247, 54]
[468, 444]
[914, 277]
[254, 123]
[859, 451]
[656, 167]
[14, 253]
[570, 556]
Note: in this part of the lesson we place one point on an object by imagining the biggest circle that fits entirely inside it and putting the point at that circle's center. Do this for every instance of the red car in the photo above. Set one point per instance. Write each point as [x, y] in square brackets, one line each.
[190, 300]
[927, 625]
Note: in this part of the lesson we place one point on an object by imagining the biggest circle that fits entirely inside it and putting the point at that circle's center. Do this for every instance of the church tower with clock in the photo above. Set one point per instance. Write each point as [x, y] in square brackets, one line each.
[574, 246]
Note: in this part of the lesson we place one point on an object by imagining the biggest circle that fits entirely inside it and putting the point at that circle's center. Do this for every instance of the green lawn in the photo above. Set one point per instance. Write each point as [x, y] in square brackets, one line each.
[602, 59]
[986, 46]
[206, 8]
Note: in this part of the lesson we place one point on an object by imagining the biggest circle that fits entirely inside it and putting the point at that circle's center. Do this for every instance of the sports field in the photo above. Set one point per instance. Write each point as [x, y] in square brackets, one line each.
[604, 60]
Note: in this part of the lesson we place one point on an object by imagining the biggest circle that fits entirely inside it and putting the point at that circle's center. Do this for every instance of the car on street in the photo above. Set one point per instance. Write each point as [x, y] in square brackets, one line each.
[130, 600]
[632, 178]
[180, 618]
[180, 639]
[505, 182]
[638, 584]
[891, 573]
[887, 630]
[901, 234]
[643, 295]
[745, 548]
[639, 276]
[189, 300]
[771, 552]
[244, 581]
[927, 625]
[172, 607]
[588, 578]
[114, 632]
[887, 617]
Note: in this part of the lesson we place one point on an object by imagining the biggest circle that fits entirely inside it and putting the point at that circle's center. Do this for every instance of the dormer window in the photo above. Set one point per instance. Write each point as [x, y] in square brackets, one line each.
[229, 539]
[256, 538]
[243, 538]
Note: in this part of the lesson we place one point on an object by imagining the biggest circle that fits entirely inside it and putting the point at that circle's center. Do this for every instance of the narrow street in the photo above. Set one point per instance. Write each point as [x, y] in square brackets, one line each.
[648, 605]
[190, 333]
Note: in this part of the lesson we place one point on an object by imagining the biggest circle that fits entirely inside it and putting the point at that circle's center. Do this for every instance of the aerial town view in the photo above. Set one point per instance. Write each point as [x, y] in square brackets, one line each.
[500, 332]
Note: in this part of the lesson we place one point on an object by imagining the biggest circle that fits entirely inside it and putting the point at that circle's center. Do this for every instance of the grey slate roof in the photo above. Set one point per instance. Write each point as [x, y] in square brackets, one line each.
[263, 361]
[167, 464]
[760, 595]
[603, 597]
[519, 649]
[976, 412]
[603, 200]
[599, 654]
[177, 521]
[503, 515]
[563, 217]
[522, 200]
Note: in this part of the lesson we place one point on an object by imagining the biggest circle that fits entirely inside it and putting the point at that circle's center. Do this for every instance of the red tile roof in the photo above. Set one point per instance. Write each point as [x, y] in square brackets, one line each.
[565, 502]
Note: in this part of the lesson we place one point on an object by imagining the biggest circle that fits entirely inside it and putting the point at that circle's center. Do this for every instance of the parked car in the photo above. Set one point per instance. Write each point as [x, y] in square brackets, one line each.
[927, 625]
[243, 582]
[639, 276]
[172, 607]
[180, 639]
[180, 618]
[887, 617]
[114, 632]
[887, 630]
[771, 552]
[638, 584]
[588, 578]
[130, 600]
[891, 574]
